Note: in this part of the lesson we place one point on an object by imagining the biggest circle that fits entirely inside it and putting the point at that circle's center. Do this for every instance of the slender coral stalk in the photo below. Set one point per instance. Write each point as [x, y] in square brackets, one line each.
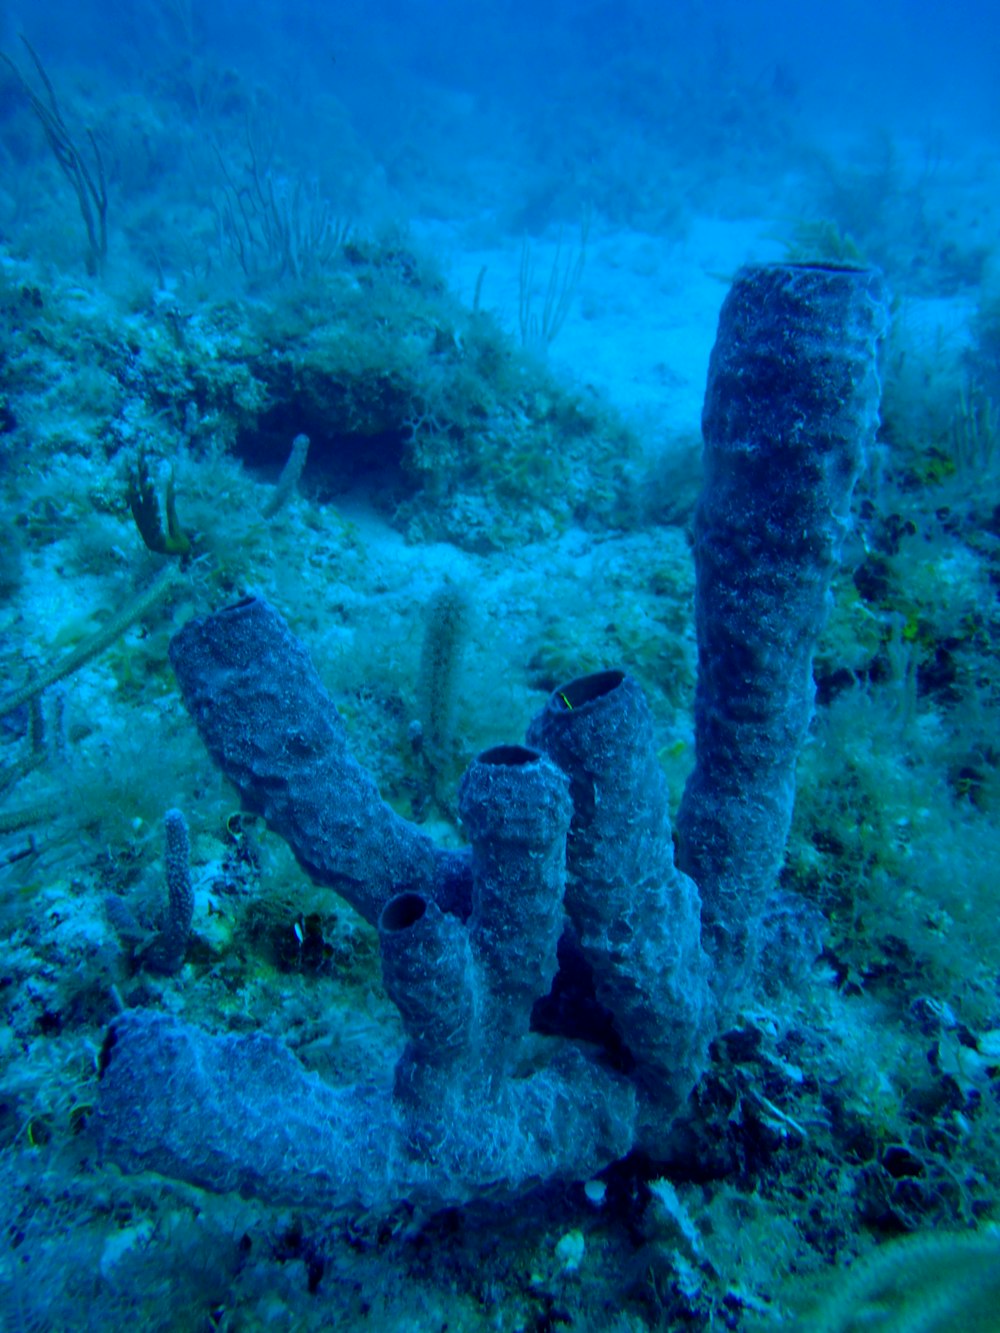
[91, 194]
[92, 647]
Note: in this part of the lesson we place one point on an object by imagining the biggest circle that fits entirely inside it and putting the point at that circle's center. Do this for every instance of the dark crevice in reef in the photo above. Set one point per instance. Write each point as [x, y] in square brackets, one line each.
[338, 462]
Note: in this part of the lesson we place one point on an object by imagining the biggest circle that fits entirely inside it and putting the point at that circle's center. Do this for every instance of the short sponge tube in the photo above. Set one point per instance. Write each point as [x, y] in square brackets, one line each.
[515, 806]
[428, 974]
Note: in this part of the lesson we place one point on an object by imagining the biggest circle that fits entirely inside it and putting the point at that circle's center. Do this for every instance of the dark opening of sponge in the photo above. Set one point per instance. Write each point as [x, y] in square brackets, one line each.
[585, 689]
[509, 756]
[403, 911]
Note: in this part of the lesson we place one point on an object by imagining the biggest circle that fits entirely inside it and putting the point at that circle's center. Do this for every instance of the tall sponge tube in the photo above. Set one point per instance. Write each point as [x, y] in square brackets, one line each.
[791, 409]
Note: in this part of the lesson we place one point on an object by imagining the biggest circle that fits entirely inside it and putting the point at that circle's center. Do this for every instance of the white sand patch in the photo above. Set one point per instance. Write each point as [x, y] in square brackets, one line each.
[642, 322]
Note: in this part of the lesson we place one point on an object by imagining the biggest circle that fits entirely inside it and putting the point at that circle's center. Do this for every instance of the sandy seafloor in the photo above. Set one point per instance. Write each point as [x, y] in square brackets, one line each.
[858, 1118]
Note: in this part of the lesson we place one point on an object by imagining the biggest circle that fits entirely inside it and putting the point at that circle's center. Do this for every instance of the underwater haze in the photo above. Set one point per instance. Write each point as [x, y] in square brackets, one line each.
[499, 627]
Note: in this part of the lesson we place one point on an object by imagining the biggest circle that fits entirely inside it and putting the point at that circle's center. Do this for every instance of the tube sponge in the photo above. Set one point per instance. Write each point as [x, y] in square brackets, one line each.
[241, 1113]
[427, 969]
[636, 917]
[790, 411]
[515, 807]
[272, 728]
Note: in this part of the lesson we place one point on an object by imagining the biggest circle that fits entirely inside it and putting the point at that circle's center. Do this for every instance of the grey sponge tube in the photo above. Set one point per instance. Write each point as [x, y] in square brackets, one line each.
[515, 807]
[273, 729]
[636, 916]
[241, 1113]
[791, 409]
[427, 969]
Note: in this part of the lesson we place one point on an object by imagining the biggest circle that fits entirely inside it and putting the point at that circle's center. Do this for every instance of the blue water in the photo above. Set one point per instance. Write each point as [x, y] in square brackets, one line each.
[398, 319]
